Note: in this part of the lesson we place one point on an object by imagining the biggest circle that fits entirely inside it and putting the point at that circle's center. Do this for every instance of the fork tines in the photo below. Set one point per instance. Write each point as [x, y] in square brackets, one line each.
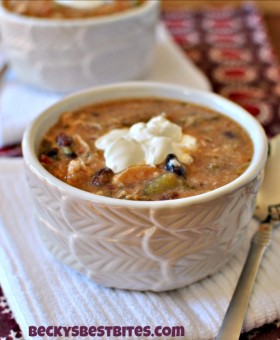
[274, 212]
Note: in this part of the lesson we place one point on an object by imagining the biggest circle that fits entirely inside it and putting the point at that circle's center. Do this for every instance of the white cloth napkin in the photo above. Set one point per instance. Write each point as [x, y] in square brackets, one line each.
[42, 291]
[20, 103]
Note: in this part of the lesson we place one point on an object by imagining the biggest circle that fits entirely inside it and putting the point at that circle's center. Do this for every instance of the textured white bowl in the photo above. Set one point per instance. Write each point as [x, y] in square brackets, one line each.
[135, 244]
[68, 55]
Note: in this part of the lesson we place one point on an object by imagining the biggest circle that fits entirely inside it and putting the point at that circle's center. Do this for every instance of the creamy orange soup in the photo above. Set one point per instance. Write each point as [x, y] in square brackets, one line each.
[223, 150]
[51, 10]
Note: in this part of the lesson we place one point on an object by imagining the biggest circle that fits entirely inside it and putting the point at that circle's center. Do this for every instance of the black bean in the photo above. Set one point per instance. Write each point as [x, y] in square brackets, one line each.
[64, 140]
[102, 177]
[52, 153]
[229, 134]
[172, 164]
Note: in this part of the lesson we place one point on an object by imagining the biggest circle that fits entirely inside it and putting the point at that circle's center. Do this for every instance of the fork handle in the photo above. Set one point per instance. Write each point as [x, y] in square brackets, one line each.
[233, 321]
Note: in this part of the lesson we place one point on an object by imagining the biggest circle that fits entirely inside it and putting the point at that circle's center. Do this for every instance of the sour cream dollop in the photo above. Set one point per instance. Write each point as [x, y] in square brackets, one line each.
[82, 4]
[145, 143]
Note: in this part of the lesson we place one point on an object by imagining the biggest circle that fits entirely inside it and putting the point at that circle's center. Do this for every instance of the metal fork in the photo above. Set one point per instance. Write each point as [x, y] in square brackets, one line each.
[233, 321]
[3, 70]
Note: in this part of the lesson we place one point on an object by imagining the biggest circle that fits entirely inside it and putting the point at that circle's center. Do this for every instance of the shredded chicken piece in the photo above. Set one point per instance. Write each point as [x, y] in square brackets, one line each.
[81, 145]
[74, 167]
[96, 125]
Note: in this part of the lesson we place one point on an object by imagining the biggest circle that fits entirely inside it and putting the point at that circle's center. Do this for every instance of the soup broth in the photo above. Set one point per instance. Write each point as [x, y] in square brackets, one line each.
[222, 150]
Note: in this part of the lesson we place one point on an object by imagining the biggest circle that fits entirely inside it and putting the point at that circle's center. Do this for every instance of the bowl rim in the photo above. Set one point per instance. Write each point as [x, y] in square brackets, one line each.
[256, 165]
[132, 13]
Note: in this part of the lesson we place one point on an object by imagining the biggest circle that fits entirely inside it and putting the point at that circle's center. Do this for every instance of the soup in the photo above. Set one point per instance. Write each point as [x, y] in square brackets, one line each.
[51, 9]
[177, 150]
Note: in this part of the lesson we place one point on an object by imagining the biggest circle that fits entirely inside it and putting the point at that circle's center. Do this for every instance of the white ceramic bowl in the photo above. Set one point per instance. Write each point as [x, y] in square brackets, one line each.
[157, 245]
[72, 54]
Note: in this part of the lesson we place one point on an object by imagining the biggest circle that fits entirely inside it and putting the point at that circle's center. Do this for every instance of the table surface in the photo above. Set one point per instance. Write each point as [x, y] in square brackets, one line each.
[266, 6]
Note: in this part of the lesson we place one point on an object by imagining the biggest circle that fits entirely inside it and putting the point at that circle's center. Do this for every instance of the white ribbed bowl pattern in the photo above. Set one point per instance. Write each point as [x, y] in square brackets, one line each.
[68, 55]
[143, 245]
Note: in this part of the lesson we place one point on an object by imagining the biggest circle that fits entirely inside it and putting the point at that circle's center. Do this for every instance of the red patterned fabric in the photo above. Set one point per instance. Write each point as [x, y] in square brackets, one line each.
[11, 151]
[232, 47]
[9, 329]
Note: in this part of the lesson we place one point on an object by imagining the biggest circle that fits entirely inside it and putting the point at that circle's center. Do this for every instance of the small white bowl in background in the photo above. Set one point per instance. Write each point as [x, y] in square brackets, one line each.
[159, 245]
[66, 55]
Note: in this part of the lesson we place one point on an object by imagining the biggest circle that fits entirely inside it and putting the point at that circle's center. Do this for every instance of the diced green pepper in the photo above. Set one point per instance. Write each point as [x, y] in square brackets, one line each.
[162, 183]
